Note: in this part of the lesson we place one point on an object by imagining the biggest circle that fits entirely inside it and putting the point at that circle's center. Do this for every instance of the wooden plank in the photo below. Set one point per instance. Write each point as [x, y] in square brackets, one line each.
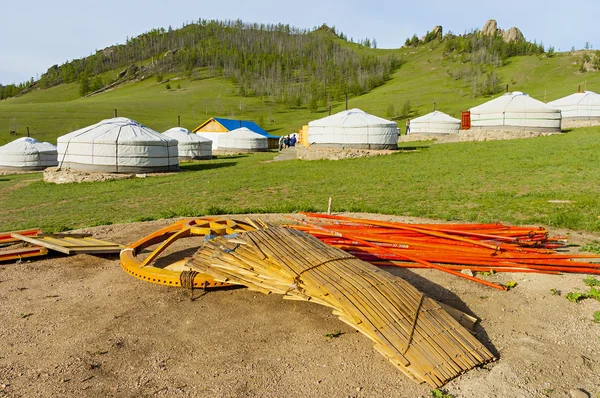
[413, 332]
[41, 242]
[61, 235]
[70, 245]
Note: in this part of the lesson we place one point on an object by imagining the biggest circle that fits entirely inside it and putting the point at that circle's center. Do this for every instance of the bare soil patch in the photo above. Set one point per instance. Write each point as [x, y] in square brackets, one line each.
[80, 326]
[318, 153]
[67, 176]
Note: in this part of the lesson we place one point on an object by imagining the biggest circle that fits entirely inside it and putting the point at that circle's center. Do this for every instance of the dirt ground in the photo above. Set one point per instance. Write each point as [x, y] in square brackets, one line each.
[80, 326]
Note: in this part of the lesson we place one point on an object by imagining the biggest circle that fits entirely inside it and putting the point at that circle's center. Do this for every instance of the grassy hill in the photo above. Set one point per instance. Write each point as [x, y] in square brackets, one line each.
[520, 181]
[427, 74]
[422, 80]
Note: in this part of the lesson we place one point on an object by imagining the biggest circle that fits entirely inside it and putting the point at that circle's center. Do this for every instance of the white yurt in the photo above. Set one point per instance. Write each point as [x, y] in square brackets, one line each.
[515, 111]
[240, 140]
[190, 145]
[435, 122]
[27, 153]
[353, 128]
[117, 145]
[213, 137]
[579, 106]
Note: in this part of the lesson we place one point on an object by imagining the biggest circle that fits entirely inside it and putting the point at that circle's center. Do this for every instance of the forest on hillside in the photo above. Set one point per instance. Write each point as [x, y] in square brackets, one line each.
[282, 64]
[278, 62]
[478, 56]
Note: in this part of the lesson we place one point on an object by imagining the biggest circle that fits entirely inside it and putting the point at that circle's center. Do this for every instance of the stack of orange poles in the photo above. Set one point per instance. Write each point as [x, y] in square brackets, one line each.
[449, 247]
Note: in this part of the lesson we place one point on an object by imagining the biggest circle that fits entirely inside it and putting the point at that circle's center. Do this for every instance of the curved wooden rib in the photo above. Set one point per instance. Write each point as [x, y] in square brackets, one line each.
[170, 275]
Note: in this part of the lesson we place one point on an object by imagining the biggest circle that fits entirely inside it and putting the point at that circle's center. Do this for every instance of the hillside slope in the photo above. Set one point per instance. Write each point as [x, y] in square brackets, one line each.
[426, 74]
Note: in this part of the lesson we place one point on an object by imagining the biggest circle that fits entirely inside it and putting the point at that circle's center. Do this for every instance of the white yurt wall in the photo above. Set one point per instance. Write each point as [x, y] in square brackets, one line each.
[579, 106]
[190, 145]
[516, 111]
[435, 122]
[213, 137]
[353, 128]
[242, 139]
[27, 153]
[117, 145]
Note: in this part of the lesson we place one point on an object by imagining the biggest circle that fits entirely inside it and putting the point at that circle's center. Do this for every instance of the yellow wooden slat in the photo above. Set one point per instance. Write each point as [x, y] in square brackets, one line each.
[412, 331]
[69, 245]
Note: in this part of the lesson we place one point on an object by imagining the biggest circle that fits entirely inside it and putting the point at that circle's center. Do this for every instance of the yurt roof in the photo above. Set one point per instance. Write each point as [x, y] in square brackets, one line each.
[27, 145]
[184, 135]
[119, 129]
[588, 98]
[351, 118]
[512, 102]
[232, 124]
[436, 117]
[244, 132]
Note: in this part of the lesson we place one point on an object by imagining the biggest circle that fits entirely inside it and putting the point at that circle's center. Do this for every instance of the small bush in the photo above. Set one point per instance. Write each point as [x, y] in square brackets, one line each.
[406, 109]
[437, 393]
[593, 247]
[575, 297]
[591, 281]
[391, 111]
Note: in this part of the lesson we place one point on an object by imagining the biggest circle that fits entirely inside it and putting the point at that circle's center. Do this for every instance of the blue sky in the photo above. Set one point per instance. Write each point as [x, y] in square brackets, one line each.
[38, 34]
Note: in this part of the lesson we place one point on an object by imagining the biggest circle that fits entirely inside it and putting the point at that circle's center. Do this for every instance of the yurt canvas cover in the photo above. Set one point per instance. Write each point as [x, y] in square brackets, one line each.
[242, 139]
[190, 145]
[117, 145]
[435, 122]
[516, 111]
[353, 129]
[580, 106]
[27, 153]
[213, 137]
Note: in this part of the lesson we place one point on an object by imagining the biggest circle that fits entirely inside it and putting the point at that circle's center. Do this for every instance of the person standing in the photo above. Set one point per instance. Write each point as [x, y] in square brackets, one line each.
[286, 141]
[293, 140]
[407, 126]
[280, 143]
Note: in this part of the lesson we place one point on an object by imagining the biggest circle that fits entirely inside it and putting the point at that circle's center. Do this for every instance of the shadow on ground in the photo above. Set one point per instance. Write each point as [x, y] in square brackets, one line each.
[205, 166]
[443, 295]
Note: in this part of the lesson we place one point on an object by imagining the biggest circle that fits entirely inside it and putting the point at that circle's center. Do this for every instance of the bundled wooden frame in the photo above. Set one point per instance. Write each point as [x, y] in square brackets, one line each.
[413, 331]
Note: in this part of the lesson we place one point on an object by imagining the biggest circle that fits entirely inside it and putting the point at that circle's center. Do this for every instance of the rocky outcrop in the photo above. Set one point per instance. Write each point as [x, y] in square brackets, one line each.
[131, 71]
[513, 34]
[490, 28]
[326, 28]
[437, 32]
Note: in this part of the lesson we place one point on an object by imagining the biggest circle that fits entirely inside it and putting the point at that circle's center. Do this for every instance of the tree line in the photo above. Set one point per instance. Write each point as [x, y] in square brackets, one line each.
[478, 57]
[481, 55]
[281, 63]
[11, 90]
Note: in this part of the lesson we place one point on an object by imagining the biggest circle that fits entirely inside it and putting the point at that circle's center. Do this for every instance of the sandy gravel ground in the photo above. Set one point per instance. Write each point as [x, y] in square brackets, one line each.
[81, 327]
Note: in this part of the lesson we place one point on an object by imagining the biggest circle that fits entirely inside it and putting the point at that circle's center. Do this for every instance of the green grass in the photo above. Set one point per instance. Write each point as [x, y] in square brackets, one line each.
[510, 181]
[422, 80]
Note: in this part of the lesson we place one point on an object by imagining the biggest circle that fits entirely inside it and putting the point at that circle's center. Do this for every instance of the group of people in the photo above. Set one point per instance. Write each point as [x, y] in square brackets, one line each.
[287, 141]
